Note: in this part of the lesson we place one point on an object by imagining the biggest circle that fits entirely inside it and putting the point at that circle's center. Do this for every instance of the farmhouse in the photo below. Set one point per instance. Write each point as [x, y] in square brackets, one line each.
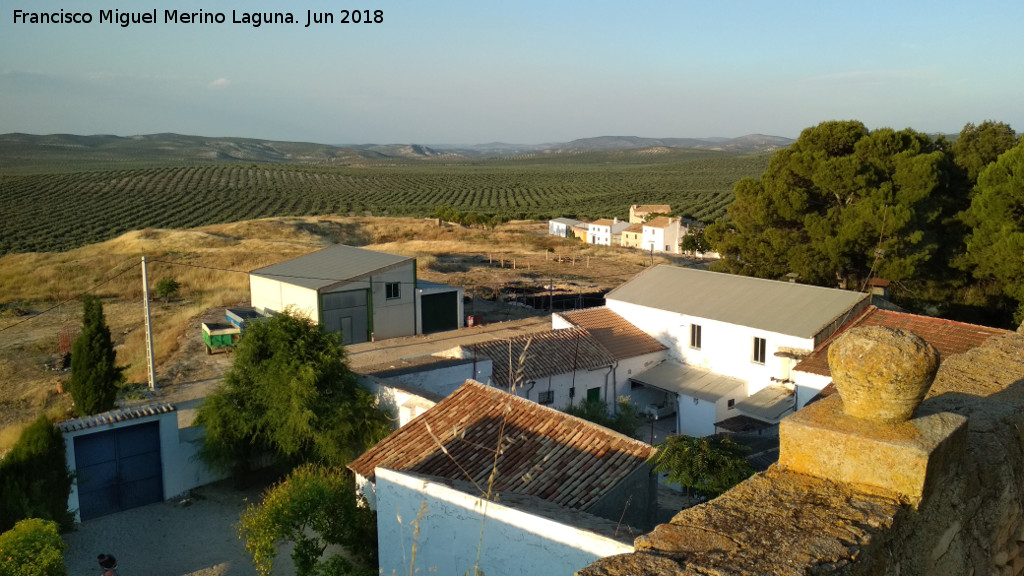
[633, 236]
[662, 234]
[566, 491]
[562, 227]
[362, 294]
[606, 232]
[748, 329]
[640, 212]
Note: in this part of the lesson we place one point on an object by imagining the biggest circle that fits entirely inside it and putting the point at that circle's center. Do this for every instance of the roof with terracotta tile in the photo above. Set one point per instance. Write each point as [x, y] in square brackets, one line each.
[660, 222]
[620, 338]
[114, 416]
[603, 222]
[638, 228]
[649, 208]
[544, 453]
[549, 353]
[947, 336]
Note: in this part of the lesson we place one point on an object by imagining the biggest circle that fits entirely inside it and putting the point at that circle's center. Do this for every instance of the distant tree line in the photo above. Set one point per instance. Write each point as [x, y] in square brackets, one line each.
[943, 221]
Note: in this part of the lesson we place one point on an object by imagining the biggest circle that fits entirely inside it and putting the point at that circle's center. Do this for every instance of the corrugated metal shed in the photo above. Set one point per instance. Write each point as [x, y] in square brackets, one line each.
[782, 307]
[331, 266]
[543, 452]
[689, 381]
[769, 404]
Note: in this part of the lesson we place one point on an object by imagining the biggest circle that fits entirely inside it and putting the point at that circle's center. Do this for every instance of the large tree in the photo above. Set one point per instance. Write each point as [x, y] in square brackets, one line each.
[94, 374]
[978, 146]
[34, 478]
[289, 393]
[995, 246]
[842, 203]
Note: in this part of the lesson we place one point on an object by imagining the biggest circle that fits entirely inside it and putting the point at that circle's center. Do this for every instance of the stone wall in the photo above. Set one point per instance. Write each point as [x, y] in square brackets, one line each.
[966, 519]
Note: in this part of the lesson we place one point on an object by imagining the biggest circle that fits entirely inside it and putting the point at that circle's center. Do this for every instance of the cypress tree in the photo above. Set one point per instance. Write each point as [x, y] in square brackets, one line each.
[94, 376]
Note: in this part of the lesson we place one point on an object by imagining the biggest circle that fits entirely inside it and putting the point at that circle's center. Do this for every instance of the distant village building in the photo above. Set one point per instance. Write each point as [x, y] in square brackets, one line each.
[606, 232]
[662, 234]
[633, 236]
[562, 227]
[639, 212]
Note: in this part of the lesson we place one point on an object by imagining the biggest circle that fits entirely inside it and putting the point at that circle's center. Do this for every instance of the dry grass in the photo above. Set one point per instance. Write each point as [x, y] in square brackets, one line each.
[202, 260]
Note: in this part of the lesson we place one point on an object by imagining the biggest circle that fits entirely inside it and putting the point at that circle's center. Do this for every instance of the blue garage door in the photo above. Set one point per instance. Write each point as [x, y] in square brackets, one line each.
[118, 469]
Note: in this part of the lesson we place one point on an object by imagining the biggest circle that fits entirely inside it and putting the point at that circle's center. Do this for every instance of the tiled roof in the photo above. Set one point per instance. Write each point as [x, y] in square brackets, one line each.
[638, 228]
[544, 453]
[603, 222]
[949, 337]
[647, 208]
[114, 416]
[620, 338]
[549, 353]
[659, 222]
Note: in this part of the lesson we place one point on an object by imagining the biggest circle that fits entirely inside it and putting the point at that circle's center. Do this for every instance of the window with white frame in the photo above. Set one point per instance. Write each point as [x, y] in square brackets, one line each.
[760, 349]
[695, 336]
[393, 290]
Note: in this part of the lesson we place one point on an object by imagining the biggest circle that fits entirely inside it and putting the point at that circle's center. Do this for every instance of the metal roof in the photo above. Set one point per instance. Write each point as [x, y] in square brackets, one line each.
[543, 452]
[797, 310]
[689, 381]
[769, 404]
[331, 266]
[567, 221]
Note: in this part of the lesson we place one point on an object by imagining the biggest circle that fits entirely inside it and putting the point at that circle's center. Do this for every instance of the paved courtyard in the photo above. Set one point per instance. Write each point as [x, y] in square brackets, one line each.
[191, 537]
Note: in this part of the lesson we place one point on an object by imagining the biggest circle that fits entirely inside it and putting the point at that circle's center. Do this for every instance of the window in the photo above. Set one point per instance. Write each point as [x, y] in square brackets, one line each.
[546, 397]
[759, 350]
[594, 394]
[695, 336]
[393, 290]
[732, 403]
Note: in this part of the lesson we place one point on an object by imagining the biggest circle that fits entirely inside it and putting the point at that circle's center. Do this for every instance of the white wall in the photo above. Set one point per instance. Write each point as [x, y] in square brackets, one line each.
[600, 235]
[450, 524]
[808, 385]
[725, 348]
[695, 418]
[276, 295]
[181, 469]
[558, 229]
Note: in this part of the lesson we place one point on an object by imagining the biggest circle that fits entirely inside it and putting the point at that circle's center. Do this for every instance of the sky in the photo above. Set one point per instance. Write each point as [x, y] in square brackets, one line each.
[524, 71]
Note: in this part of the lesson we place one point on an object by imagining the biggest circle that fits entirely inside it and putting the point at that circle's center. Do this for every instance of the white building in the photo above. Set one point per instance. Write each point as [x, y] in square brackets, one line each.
[662, 234]
[702, 398]
[750, 329]
[640, 212]
[566, 491]
[605, 232]
[361, 293]
[562, 227]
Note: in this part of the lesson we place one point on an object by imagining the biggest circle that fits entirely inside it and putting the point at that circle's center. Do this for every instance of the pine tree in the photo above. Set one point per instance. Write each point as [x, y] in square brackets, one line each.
[94, 375]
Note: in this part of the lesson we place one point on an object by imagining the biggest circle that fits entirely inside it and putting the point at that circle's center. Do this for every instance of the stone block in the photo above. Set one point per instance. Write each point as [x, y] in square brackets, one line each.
[904, 458]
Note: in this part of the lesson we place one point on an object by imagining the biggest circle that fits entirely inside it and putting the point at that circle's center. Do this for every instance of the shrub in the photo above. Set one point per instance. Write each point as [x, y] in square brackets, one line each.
[32, 548]
[34, 478]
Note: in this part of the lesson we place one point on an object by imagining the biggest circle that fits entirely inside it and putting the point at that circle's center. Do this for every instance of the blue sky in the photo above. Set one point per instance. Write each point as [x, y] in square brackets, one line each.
[523, 72]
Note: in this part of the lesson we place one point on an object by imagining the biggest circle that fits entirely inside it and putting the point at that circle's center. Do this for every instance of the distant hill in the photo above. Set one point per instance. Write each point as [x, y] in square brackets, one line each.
[69, 152]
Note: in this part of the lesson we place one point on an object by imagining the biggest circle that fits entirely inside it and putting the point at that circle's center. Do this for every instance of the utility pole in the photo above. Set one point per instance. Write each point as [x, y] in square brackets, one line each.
[149, 327]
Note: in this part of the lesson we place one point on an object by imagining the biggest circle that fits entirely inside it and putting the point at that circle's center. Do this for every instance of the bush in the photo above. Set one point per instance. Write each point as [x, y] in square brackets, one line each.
[34, 478]
[32, 548]
[625, 421]
[167, 288]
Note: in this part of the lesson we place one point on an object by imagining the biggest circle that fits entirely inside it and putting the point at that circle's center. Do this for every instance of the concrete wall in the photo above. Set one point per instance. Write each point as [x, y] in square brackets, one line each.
[449, 529]
[561, 384]
[695, 418]
[277, 295]
[558, 229]
[725, 348]
[968, 518]
[808, 385]
[181, 468]
[601, 235]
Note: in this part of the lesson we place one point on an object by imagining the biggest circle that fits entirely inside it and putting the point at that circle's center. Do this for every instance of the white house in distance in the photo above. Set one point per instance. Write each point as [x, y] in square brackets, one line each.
[662, 234]
[566, 491]
[606, 232]
[750, 329]
[562, 227]
[363, 294]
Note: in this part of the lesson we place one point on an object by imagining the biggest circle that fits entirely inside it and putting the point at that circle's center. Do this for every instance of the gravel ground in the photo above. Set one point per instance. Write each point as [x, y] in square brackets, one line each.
[194, 537]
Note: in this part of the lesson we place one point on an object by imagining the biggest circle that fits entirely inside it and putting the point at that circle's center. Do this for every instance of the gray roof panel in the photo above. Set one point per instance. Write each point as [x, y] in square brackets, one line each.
[769, 404]
[330, 266]
[797, 310]
[690, 381]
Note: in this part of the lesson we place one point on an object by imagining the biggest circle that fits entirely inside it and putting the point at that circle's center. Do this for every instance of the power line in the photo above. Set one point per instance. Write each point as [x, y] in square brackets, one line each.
[59, 304]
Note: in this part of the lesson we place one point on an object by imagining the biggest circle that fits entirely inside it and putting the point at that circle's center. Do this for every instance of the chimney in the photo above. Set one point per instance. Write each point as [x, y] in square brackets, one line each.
[615, 220]
[879, 287]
